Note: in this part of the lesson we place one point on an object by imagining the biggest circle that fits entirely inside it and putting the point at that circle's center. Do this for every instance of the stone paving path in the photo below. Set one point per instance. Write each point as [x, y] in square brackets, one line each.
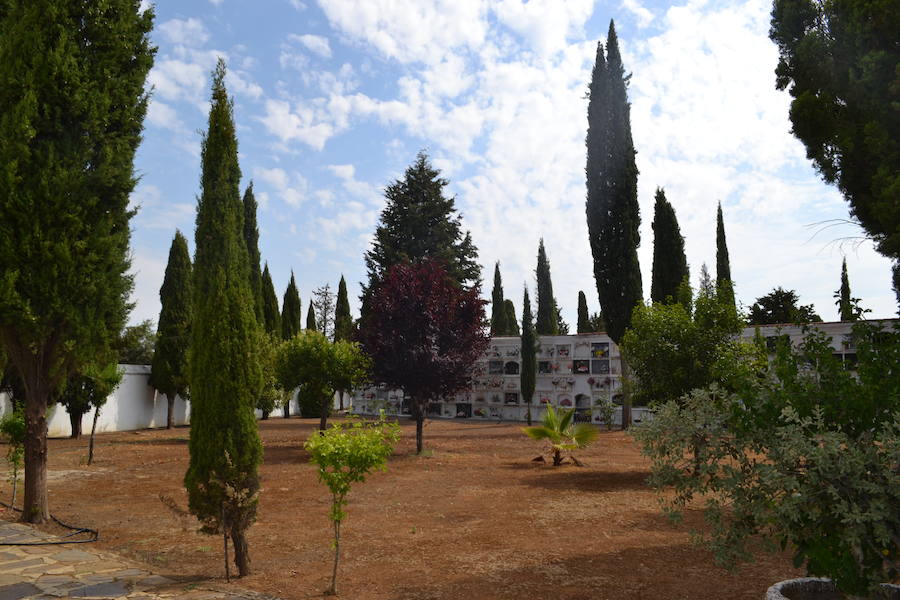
[80, 571]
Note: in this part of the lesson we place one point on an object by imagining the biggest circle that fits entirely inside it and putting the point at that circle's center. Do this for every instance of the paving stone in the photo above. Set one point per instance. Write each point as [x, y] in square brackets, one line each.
[75, 556]
[18, 590]
[129, 573]
[9, 578]
[155, 580]
[8, 556]
[111, 589]
[22, 564]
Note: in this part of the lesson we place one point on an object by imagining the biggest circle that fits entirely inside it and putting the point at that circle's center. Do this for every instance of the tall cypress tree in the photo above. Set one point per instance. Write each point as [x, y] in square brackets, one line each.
[584, 319]
[251, 238]
[291, 313]
[173, 335]
[547, 323]
[311, 318]
[670, 268]
[343, 321]
[225, 451]
[271, 316]
[844, 301]
[498, 306]
[529, 355]
[72, 106]
[512, 323]
[613, 214]
[724, 283]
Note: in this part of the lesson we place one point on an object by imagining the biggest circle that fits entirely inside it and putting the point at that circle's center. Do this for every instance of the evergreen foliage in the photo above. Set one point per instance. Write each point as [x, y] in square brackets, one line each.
[562, 328]
[251, 238]
[311, 318]
[136, 343]
[424, 333]
[169, 372]
[88, 389]
[670, 268]
[271, 394]
[419, 222]
[225, 451]
[723, 263]
[343, 321]
[584, 320]
[547, 318]
[512, 323]
[844, 301]
[562, 433]
[530, 343]
[781, 306]
[271, 316]
[498, 306]
[613, 214]
[323, 300]
[72, 105]
[291, 312]
[839, 61]
[896, 283]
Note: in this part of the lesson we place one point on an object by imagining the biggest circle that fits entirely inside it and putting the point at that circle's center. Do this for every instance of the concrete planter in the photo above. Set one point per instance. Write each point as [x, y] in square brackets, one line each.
[810, 588]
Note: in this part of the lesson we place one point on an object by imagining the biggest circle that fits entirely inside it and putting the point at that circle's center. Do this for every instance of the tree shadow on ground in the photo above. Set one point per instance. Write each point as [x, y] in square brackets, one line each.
[570, 477]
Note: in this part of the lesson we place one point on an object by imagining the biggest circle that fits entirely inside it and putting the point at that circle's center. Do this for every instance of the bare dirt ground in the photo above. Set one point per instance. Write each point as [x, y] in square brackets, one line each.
[475, 519]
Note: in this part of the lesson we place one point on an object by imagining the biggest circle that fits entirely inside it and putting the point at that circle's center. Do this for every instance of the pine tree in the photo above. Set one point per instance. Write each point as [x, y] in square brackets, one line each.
[291, 312]
[271, 316]
[311, 319]
[613, 214]
[343, 321]
[670, 268]
[225, 451]
[547, 318]
[512, 323]
[498, 307]
[529, 355]
[72, 106]
[251, 238]
[323, 301]
[844, 301]
[169, 371]
[584, 320]
[723, 265]
[419, 222]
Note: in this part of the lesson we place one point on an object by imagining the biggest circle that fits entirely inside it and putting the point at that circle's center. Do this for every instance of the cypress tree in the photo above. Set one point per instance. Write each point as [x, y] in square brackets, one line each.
[528, 371]
[271, 316]
[512, 324]
[613, 214]
[226, 378]
[670, 268]
[291, 312]
[724, 283]
[584, 320]
[547, 323]
[72, 106]
[251, 238]
[169, 371]
[844, 301]
[498, 306]
[343, 321]
[311, 319]
[895, 272]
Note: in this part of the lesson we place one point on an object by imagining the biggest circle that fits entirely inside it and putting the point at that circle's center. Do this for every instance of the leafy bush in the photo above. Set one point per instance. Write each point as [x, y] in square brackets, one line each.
[12, 430]
[804, 454]
[345, 454]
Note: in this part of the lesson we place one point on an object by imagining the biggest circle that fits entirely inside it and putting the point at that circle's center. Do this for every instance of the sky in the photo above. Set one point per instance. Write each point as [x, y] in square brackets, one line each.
[333, 99]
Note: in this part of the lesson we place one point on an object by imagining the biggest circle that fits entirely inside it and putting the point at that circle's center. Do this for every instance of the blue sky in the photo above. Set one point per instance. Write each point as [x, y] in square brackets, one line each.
[333, 99]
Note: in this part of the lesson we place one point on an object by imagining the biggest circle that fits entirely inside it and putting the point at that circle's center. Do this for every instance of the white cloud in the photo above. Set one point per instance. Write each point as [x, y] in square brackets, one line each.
[545, 24]
[162, 115]
[187, 32]
[292, 188]
[641, 13]
[297, 4]
[344, 172]
[314, 43]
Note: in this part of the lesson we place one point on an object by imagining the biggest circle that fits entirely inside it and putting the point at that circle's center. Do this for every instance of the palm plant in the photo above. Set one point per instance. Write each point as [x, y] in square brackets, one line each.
[562, 434]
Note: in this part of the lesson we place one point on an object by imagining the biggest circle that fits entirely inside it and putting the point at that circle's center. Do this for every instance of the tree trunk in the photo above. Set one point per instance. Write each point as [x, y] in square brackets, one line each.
[265, 415]
[340, 399]
[286, 409]
[420, 420]
[36, 508]
[626, 393]
[93, 430]
[337, 556]
[241, 552]
[323, 415]
[75, 422]
[170, 415]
